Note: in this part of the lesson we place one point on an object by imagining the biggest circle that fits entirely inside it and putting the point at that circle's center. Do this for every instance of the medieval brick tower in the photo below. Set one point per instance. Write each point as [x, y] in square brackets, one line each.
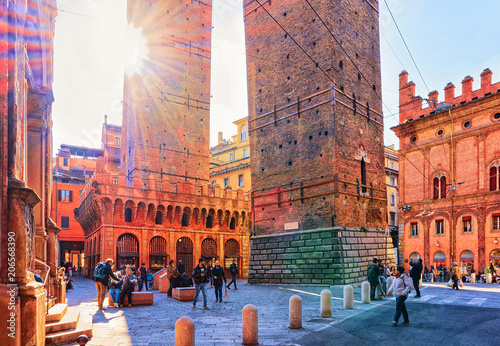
[166, 109]
[316, 132]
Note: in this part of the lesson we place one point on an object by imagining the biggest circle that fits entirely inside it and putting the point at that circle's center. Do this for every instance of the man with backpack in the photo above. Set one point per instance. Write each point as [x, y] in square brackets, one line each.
[102, 272]
[373, 273]
[233, 269]
[401, 286]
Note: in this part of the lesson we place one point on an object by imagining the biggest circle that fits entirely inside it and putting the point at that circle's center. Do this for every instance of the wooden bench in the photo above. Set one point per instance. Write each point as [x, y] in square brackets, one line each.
[138, 298]
[183, 294]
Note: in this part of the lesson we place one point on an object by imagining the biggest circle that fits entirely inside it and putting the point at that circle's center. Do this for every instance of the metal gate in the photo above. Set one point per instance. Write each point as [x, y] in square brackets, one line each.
[184, 250]
[157, 253]
[127, 251]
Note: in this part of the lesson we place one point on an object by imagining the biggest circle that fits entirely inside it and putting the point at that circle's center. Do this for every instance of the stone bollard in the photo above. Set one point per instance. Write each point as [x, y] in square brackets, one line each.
[473, 278]
[250, 325]
[348, 297]
[390, 280]
[295, 311]
[184, 332]
[326, 303]
[489, 278]
[365, 292]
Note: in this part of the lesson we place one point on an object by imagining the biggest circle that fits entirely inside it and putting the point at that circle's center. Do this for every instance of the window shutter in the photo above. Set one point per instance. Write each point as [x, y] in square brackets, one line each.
[467, 218]
[71, 196]
[496, 215]
[59, 194]
[443, 187]
[436, 188]
[493, 178]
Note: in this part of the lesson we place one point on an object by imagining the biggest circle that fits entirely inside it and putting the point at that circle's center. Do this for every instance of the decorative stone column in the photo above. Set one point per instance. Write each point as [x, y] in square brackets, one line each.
[21, 201]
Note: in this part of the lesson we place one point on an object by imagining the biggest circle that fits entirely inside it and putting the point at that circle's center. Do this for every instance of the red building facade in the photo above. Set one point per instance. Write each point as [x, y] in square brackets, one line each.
[449, 173]
[150, 199]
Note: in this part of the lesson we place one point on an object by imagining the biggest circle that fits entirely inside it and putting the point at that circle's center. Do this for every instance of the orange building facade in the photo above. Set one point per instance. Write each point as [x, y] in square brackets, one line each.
[73, 166]
[449, 163]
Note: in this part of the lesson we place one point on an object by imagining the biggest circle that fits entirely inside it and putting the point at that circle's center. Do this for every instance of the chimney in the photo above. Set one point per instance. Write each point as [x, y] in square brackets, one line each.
[403, 79]
[467, 86]
[105, 119]
[220, 139]
[433, 99]
[449, 93]
[486, 79]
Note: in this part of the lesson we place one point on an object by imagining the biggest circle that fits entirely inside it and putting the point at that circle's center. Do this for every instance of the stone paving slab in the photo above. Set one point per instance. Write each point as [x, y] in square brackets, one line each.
[221, 325]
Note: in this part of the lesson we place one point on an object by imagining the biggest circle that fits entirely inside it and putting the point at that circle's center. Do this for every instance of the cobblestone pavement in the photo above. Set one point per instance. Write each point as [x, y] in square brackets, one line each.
[221, 325]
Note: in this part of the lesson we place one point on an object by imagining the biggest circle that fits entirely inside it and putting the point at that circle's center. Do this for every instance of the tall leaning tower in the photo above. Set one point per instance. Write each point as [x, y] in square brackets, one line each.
[166, 108]
[316, 132]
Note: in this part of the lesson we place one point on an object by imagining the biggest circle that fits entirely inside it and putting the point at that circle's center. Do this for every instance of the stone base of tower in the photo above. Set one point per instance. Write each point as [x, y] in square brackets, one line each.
[329, 256]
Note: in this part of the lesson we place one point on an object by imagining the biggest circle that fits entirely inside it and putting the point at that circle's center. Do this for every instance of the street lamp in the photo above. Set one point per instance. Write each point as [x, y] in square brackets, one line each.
[496, 240]
[437, 244]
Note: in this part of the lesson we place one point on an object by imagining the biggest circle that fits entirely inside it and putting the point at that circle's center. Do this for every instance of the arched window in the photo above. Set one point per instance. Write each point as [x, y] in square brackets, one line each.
[117, 141]
[209, 221]
[208, 248]
[467, 256]
[128, 215]
[439, 259]
[415, 256]
[159, 217]
[393, 199]
[185, 220]
[494, 176]
[243, 136]
[439, 187]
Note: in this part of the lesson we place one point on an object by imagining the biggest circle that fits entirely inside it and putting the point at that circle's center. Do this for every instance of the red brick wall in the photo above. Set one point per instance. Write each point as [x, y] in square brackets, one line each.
[166, 108]
[309, 134]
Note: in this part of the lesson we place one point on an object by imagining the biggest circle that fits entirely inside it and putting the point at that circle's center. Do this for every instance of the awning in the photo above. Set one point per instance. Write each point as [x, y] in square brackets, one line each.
[467, 256]
[209, 255]
[439, 257]
[232, 256]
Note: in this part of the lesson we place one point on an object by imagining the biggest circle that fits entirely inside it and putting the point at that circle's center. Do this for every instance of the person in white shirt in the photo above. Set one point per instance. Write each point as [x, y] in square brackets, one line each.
[401, 286]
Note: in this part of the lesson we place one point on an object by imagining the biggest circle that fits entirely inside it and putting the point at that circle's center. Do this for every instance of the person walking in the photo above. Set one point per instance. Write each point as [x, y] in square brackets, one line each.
[150, 279]
[373, 274]
[143, 277]
[218, 275]
[455, 275]
[102, 273]
[181, 268]
[233, 269]
[382, 281]
[200, 282]
[209, 269]
[416, 274]
[114, 289]
[401, 286]
[129, 282]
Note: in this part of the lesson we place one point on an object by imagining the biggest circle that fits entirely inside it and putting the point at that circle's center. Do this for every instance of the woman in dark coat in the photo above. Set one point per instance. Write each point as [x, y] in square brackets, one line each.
[175, 281]
[218, 276]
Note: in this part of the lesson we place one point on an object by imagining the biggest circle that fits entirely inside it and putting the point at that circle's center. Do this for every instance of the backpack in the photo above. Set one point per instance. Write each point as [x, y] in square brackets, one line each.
[372, 273]
[410, 285]
[99, 270]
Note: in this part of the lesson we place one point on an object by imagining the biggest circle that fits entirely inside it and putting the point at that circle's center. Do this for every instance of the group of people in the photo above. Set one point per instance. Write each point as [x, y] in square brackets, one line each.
[203, 274]
[122, 283]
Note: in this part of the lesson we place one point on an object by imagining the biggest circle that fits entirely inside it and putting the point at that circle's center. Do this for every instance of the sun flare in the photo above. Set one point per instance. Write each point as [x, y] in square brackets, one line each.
[134, 49]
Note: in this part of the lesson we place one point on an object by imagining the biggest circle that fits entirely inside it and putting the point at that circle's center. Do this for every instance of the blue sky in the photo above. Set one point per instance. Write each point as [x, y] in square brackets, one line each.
[448, 40]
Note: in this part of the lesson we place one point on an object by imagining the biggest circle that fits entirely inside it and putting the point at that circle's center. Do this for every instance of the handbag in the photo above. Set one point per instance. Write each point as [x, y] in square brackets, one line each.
[126, 286]
[460, 283]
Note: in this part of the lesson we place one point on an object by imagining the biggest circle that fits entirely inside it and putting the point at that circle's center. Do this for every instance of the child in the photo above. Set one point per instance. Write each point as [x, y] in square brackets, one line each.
[150, 280]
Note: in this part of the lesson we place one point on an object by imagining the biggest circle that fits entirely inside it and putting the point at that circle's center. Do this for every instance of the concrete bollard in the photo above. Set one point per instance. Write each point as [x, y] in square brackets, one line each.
[365, 292]
[473, 278]
[184, 332]
[295, 312]
[390, 280]
[348, 297]
[250, 325]
[326, 303]
[489, 278]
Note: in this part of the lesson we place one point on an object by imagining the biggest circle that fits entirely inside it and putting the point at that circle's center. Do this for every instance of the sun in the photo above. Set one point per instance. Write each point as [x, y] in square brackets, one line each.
[134, 49]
